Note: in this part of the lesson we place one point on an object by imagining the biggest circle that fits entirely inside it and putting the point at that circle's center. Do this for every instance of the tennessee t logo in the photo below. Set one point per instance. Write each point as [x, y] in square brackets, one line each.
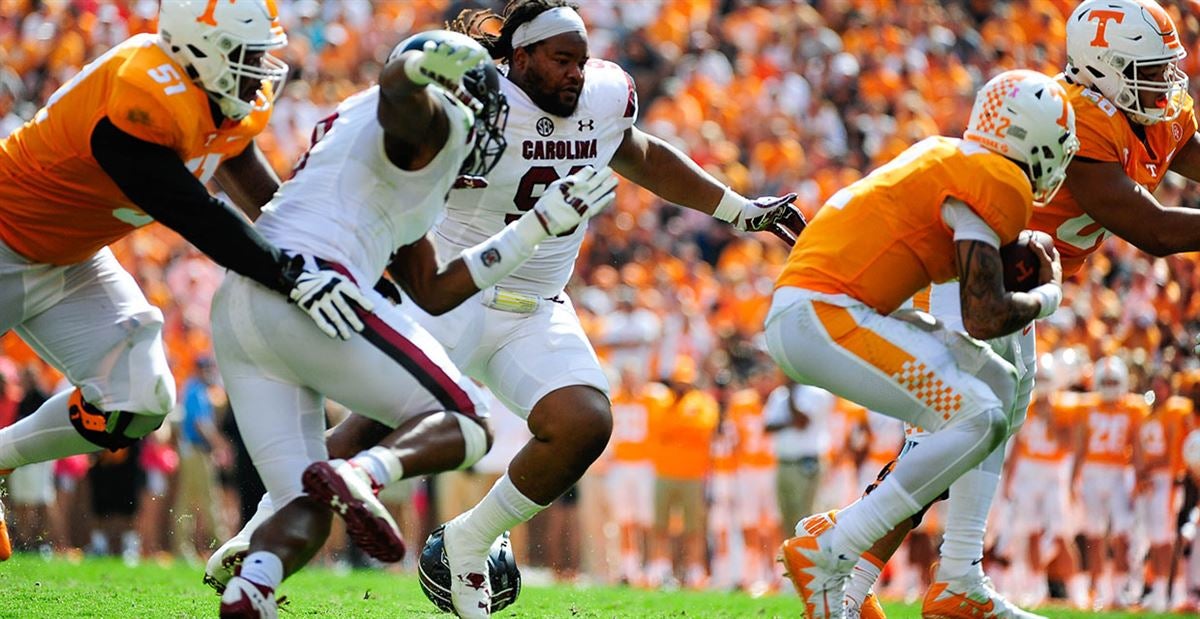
[1102, 17]
[208, 16]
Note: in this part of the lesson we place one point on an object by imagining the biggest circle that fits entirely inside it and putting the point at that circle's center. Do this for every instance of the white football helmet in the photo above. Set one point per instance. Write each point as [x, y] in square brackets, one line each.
[1046, 380]
[1113, 44]
[1024, 115]
[213, 39]
[1110, 378]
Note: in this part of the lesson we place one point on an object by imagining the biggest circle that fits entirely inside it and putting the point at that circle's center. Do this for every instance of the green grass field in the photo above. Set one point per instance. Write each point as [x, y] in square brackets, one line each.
[32, 587]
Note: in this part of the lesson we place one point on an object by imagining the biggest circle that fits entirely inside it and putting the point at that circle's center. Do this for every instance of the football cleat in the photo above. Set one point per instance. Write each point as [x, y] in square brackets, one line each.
[347, 490]
[869, 609]
[225, 561]
[243, 599]
[819, 576]
[458, 586]
[5, 542]
[969, 597]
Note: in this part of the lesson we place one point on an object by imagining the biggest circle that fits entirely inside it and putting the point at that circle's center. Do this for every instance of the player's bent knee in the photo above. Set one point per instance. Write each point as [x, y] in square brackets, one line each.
[477, 438]
[112, 430]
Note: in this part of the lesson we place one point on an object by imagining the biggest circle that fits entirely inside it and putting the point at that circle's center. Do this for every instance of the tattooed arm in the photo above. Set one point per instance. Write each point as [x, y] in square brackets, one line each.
[988, 310]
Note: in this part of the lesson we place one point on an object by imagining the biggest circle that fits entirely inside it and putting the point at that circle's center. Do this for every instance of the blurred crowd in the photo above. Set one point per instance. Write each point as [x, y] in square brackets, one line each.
[770, 96]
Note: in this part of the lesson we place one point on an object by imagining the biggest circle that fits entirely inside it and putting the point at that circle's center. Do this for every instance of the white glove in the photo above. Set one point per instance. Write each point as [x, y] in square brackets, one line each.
[776, 215]
[574, 199]
[445, 62]
[329, 299]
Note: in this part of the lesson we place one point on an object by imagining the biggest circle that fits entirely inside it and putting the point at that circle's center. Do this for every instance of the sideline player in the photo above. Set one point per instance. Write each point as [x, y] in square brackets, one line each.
[1135, 122]
[521, 336]
[940, 210]
[375, 179]
[131, 139]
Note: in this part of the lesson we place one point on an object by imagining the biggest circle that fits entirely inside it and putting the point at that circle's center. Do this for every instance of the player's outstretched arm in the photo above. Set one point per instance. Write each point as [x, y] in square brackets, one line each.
[407, 111]
[988, 310]
[248, 180]
[156, 180]
[566, 203]
[656, 165]
[1126, 209]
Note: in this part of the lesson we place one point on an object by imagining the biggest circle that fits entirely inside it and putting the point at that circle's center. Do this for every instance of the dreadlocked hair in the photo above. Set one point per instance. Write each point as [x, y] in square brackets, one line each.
[496, 38]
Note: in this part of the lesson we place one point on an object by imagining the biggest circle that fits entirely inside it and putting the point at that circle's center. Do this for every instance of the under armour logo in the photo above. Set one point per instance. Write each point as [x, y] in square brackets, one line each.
[586, 125]
[338, 505]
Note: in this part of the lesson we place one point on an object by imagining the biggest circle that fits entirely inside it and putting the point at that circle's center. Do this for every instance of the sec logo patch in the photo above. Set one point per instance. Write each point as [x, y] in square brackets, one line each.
[544, 126]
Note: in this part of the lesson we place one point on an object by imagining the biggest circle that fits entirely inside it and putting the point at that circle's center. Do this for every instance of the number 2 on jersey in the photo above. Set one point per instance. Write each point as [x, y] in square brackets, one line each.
[536, 179]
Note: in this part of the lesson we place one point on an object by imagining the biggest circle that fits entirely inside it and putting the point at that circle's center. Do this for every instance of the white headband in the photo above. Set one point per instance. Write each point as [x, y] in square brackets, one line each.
[550, 23]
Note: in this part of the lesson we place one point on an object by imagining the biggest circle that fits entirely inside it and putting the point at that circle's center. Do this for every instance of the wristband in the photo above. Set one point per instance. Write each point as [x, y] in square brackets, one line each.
[1050, 296]
[412, 69]
[497, 257]
[730, 206]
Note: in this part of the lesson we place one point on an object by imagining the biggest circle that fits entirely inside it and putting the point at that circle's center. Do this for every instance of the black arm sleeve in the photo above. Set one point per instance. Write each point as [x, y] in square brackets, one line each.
[154, 178]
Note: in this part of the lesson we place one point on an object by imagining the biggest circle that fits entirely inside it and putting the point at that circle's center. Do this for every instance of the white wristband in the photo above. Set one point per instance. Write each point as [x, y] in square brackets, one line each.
[1050, 296]
[501, 254]
[412, 69]
[730, 206]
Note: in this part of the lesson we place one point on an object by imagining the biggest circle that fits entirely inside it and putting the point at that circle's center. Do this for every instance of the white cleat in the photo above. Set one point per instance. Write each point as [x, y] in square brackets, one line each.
[246, 600]
[470, 587]
[969, 597]
[223, 563]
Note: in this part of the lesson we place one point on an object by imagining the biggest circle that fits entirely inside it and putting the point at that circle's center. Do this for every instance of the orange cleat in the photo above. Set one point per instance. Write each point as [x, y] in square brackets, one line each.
[819, 576]
[968, 597]
[5, 543]
[870, 609]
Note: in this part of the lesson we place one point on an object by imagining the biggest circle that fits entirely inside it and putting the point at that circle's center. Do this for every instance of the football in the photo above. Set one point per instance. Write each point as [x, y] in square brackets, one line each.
[1021, 263]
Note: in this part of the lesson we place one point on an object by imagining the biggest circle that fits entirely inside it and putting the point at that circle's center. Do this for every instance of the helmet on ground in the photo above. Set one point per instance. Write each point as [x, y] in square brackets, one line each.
[1024, 115]
[434, 572]
[1122, 48]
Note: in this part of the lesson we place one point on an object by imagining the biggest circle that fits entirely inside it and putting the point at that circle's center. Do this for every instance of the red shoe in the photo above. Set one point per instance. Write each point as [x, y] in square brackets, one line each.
[347, 490]
[247, 600]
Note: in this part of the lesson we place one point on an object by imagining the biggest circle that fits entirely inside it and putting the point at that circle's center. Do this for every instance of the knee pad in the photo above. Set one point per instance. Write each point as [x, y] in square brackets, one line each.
[991, 424]
[112, 430]
[477, 438]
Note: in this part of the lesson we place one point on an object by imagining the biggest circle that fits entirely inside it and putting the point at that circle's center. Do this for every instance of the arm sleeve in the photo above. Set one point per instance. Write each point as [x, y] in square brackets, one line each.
[967, 226]
[153, 177]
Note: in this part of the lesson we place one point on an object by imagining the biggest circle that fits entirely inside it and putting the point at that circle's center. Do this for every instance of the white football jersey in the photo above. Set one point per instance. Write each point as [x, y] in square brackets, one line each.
[347, 203]
[542, 148]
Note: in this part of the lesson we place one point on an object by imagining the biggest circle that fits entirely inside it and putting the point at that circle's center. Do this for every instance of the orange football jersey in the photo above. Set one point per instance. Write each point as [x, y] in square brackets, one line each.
[882, 239]
[683, 436]
[56, 203]
[631, 421]
[1111, 428]
[1175, 415]
[1106, 135]
[754, 448]
[1039, 438]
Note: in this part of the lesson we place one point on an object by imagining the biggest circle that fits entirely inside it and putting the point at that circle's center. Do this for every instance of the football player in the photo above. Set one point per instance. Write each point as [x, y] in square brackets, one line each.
[938, 211]
[131, 139]
[1135, 123]
[521, 336]
[375, 178]
[1157, 438]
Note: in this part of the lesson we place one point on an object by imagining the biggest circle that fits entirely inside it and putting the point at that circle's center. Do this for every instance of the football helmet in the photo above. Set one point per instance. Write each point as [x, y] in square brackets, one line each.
[1110, 378]
[1113, 45]
[1045, 381]
[434, 572]
[221, 44]
[1024, 115]
[479, 92]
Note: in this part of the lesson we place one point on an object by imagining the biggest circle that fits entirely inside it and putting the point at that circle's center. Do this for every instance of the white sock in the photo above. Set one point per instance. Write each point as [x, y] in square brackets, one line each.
[1077, 590]
[966, 519]
[47, 434]
[263, 568]
[863, 577]
[503, 508]
[866, 520]
[381, 464]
